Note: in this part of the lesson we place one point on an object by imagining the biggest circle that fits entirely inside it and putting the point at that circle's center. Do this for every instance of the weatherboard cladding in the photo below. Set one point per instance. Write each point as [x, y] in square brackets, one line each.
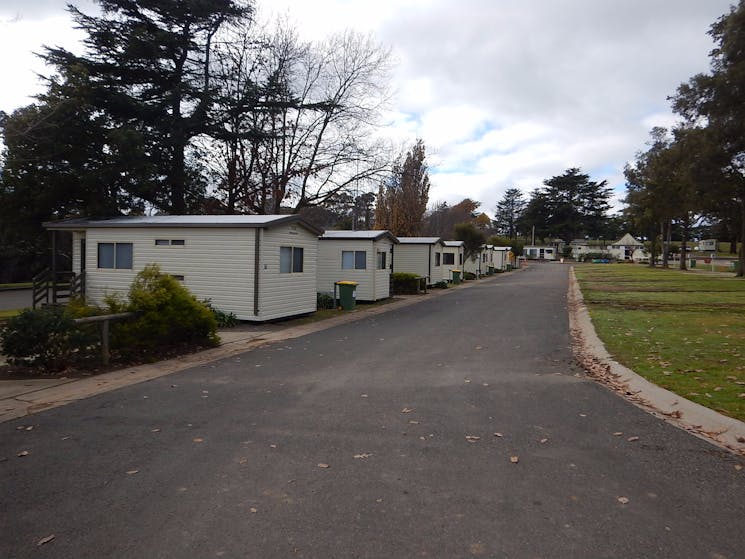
[418, 257]
[373, 284]
[456, 249]
[216, 263]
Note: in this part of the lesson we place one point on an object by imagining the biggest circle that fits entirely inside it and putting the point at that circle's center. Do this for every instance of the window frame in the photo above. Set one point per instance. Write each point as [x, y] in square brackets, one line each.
[296, 263]
[120, 260]
[359, 260]
[446, 257]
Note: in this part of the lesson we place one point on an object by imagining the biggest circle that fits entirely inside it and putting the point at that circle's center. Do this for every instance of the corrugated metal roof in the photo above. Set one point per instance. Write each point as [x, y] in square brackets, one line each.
[453, 243]
[182, 221]
[419, 240]
[361, 235]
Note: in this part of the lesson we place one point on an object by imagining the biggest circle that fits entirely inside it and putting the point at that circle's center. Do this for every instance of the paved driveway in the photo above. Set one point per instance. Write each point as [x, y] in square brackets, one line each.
[15, 299]
[376, 439]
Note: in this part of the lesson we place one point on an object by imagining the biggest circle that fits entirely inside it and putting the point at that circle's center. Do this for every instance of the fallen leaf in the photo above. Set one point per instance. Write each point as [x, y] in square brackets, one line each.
[500, 435]
[46, 540]
[253, 510]
[131, 472]
[414, 422]
[486, 384]
[738, 467]
[363, 395]
[407, 410]
[514, 459]
[363, 455]
[156, 430]
[478, 347]
[467, 381]
[198, 440]
[472, 438]
[543, 441]
[632, 439]
[322, 465]
[623, 500]
[618, 433]
[272, 446]
[65, 438]
[583, 415]
[30, 428]
[741, 439]
[23, 453]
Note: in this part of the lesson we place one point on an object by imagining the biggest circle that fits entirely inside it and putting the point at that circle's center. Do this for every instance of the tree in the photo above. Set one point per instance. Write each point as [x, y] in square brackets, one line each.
[301, 119]
[715, 102]
[473, 239]
[147, 63]
[441, 221]
[569, 206]
[402, 200]
[509, 210]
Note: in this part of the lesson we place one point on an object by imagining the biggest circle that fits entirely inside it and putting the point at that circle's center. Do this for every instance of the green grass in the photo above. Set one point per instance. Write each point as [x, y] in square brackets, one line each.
[7, 314]
[25, 285]
[682, 331]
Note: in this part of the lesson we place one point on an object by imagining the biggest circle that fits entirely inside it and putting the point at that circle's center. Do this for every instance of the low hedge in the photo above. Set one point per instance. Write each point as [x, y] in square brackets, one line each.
[404, 283]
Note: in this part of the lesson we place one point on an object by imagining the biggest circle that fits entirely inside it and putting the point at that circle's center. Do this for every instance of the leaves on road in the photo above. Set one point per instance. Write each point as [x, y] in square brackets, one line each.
[500, 435]
[618, 433]
[407, 410]
[322, 465]
[632, 439]
[46, 540]
[514, 459]
[23, 453]
[198, 440]
[543, 441]
[623, 500]
[363, 455]
[472, 438]
[131, 472]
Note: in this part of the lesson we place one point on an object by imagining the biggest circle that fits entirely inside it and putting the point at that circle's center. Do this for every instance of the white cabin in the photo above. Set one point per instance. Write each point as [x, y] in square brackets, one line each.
[504, 258]
[419, 255]
[534, 252]
[627, 248]
[361, 256]
[260, 267]
[452, 259]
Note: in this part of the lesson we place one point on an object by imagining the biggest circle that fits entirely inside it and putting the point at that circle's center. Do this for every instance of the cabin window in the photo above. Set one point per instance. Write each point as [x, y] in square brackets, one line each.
[170, 242]
[381, 260]
[290, 260]
[460, 259]
[115, 255]
[437, 258]
[448, 258]
[353, 259]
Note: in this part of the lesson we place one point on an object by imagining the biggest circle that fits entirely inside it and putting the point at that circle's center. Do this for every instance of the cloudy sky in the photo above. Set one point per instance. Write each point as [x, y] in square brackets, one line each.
[504, 92]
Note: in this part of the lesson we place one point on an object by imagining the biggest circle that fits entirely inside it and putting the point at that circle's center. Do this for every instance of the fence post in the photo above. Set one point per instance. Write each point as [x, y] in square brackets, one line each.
[105, 342]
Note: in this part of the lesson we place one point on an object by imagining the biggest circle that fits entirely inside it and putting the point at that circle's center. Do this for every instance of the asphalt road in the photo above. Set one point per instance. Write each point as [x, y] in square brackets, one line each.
[228, 460]
[13, 299]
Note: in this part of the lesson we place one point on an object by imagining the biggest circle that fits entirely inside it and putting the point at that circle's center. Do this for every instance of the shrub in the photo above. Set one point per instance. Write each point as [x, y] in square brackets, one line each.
[404, 283]
[40, 337]
[324, 301]
[169, 315]
[224, 319]
[442, 284]
[469, 276]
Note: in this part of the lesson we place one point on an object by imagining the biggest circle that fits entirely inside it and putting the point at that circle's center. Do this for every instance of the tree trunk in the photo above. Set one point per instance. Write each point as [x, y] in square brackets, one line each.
[652, 248]
[665, 247]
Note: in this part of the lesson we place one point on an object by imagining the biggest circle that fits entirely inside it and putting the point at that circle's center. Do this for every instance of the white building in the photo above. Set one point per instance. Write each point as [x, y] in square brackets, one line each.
[419, 255]
[627, 248]
[452, 259]
[535, 252]
[361, 256]
[260, 267]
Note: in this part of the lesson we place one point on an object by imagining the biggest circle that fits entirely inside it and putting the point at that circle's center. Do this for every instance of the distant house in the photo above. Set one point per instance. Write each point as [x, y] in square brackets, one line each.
[419, 255]
[480, 262]
[361, 256]
[627, 248]
[535, 252]
[452, 258]
[260, 267]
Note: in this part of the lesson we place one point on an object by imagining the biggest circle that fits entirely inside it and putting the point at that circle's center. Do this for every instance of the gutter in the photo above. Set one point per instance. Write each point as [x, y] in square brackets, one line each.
[257, 253]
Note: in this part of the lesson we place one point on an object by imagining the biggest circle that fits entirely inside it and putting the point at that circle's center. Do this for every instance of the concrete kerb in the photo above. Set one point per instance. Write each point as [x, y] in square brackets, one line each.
[52, 394]
[591, 353]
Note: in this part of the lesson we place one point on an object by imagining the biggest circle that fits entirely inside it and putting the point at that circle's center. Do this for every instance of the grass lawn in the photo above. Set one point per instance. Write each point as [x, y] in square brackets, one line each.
[8, 314]
[682, 331]
[26, 285]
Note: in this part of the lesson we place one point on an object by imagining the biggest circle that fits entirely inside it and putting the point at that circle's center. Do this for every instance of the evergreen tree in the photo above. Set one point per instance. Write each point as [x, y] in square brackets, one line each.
[509, 211]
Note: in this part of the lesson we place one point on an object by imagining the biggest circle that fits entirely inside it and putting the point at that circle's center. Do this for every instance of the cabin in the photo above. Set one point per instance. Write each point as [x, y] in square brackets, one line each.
[419, 255]
[361, 256]
[260, 267]
[452, 259]
[535, 252]
[504, 258]
[627, 248]
[480, 262]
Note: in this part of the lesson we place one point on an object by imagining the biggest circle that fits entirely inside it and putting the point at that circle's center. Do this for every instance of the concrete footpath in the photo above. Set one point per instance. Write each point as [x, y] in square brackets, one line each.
[19, 398]
[599, 364]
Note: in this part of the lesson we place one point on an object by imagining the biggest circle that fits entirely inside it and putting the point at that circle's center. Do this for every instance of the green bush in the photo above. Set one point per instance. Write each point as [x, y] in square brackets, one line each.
[404, 283]
[169, 315]
[324, 301]
[223, 319]
[43, 338]
[442, 284]
[469, 276]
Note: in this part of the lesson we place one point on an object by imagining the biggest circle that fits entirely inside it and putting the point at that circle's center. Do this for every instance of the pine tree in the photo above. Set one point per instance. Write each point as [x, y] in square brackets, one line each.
[509, 211]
